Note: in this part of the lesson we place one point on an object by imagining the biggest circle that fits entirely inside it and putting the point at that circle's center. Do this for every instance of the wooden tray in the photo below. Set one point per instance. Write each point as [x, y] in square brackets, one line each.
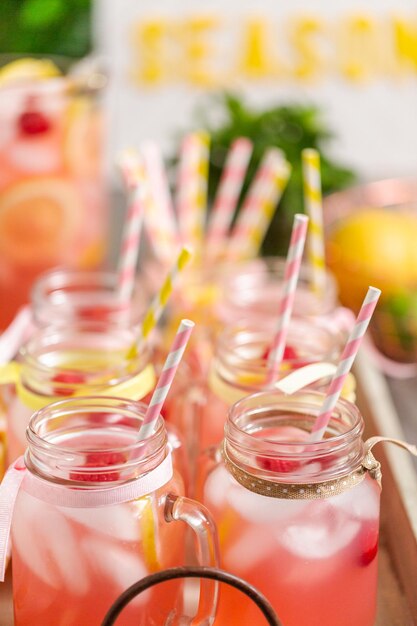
[397, 596]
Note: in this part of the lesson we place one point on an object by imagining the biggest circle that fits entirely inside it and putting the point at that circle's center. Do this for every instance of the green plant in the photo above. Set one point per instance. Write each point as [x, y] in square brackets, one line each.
[60, 27]
[288, 127]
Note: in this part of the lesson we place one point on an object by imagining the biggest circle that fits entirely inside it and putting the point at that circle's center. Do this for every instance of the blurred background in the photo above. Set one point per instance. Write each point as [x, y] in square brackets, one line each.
[338, 77]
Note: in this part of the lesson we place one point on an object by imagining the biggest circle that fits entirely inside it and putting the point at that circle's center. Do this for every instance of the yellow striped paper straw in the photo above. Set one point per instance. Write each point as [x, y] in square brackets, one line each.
[159, 303]
[192, 187]
[314, 209]
[259, 205]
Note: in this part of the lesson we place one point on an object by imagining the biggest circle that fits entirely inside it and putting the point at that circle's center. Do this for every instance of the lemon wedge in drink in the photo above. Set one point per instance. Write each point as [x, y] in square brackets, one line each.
[148, 524]
[22, 70]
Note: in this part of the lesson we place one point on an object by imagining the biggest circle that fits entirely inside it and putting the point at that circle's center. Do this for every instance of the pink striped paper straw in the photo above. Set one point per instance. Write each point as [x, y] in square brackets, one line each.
[259, 205]
[291, 273]
[346, 361]
[228, 193]
[167, 376]
[130, 243]
[191, 197]
[162, 201]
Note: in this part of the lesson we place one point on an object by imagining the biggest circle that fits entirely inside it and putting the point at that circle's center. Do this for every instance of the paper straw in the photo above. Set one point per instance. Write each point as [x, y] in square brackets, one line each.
[159, 213]
[158, 304]
[314, 209]
[291, 273]
[192, 188]
[130, 245]
[228, 193]
[165, 380]
[259, 205]
[346, 360]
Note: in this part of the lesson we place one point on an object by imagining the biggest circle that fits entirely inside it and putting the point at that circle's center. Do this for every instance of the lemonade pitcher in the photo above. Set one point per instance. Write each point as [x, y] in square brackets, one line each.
[95, 512]
[298, 520]
[53, 208]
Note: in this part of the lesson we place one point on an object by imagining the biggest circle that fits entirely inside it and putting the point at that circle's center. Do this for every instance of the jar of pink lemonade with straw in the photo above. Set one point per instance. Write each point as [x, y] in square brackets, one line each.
[295, 493]
[297, 519]
[83, 359]
[96, 510]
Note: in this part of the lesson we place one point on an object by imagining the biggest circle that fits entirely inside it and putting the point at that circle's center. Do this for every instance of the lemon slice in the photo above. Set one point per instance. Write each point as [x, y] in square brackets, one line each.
[38, 219]
[23, 70]
[148, 524]
[349, 388]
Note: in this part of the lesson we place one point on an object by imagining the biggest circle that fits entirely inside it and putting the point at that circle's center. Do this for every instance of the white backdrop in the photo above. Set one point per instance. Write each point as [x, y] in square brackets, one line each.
[357, 59]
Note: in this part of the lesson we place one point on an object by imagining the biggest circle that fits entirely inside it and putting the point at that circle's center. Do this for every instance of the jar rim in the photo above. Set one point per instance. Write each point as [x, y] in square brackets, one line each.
[47, 339]
[353, 432]
[231, 358]
[63, 416]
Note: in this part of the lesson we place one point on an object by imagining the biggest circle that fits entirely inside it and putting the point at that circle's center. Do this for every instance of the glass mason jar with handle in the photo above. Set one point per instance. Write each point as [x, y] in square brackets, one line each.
[296, 519]
[95, 512]
[240, 367]
[78, 360]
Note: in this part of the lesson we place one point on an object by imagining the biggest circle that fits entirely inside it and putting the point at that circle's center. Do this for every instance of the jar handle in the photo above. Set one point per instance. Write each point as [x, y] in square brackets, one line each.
[197, 517]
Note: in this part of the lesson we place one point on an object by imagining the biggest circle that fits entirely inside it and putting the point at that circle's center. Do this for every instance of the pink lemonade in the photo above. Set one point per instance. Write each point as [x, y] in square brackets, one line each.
[52, 203]
[70, 564]
[73, 555]
[315, 559]
[239, 367]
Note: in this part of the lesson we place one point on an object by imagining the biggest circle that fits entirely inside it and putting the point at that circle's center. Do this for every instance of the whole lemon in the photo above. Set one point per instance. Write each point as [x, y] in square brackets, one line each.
[374, 246]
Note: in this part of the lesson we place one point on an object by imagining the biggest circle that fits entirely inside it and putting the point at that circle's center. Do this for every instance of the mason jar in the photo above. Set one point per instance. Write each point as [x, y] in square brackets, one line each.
[95, 512]
[298, 520]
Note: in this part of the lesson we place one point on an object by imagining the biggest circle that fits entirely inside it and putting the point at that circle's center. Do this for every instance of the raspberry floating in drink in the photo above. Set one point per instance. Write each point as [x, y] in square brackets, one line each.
[99, 460]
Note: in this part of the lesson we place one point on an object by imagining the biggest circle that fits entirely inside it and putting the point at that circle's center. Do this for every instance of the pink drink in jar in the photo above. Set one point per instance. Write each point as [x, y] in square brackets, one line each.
[62, 296]
[297, 520]
[238, 368]
[52, 194]
[73, 554]
[81, 359]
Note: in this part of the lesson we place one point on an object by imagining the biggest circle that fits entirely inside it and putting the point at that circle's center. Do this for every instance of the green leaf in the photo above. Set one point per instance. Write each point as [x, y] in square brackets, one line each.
[41, 13]
[290, 127]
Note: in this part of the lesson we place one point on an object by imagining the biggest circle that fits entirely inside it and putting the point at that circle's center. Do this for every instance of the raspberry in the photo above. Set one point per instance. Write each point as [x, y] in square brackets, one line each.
[95, 313]
[290, 354]
[69, 378]
[33, 123]
[99, 459]
[370, 550]
[283, 466]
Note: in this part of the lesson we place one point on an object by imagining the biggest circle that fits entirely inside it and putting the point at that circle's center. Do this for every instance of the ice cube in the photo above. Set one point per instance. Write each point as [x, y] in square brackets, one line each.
[63, 549]
[250, 548]
[47, 544]
[116, 521]
[260, 509]
[320, 533]
[115, 563]
[360, 502]
[26, 542]
[216, 487]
